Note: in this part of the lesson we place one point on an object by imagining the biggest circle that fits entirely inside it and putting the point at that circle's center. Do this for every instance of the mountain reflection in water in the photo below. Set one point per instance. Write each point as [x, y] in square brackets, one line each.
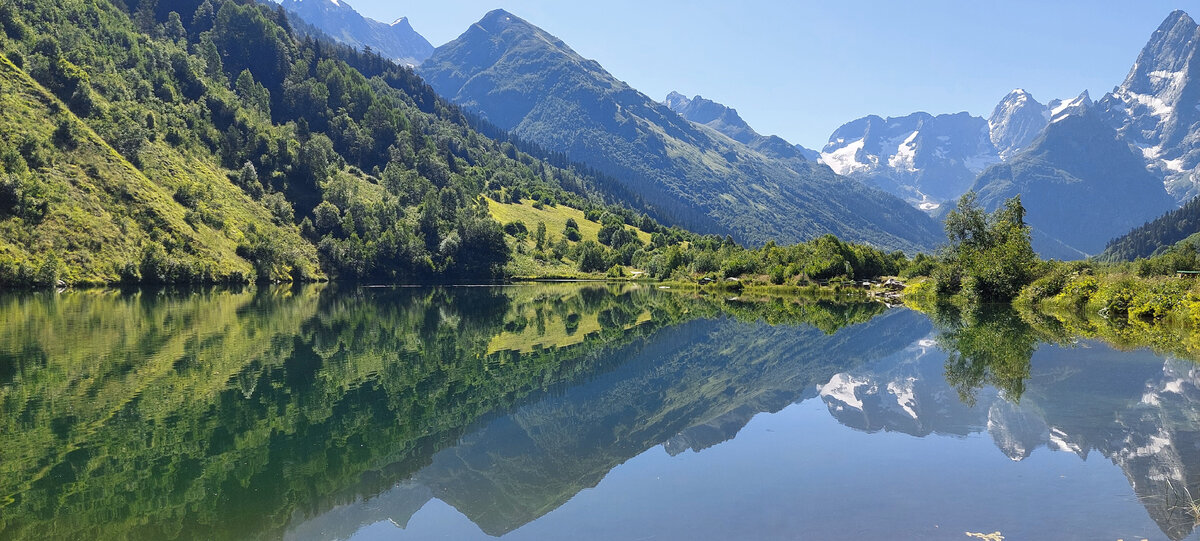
[319, 413]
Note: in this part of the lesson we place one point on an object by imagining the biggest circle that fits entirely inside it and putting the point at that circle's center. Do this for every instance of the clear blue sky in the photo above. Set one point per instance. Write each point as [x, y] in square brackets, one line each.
[801, 69]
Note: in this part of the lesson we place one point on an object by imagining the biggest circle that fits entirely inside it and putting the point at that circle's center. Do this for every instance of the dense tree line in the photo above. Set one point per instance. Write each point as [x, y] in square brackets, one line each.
[1156, 235]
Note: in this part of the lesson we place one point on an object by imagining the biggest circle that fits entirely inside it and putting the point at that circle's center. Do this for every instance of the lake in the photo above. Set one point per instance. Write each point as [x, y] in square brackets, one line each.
[569, 411]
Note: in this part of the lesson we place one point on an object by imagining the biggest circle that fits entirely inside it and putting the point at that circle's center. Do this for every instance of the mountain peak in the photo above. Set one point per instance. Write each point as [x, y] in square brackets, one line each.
[498, 12]
[499, 18]
[676, 101]
[727, 121]
[712, 114]
[499, 31]
[1060, 109]
[1018, 98]
[1167, 56]
[1016, 122]
[324, 4]
[1017, 94]
[1177, 18]
[1158, 104]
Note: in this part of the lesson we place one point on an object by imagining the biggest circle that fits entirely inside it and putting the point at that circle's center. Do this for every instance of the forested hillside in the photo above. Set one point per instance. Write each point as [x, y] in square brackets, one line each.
[1157, 235]
[200, 141]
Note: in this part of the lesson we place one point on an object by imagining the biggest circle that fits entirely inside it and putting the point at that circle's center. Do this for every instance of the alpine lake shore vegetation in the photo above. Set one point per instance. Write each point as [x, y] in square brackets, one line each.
[1146, 302]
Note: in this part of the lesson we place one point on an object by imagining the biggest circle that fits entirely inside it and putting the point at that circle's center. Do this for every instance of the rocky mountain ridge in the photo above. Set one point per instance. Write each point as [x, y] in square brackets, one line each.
[726, 120]
[396, 41]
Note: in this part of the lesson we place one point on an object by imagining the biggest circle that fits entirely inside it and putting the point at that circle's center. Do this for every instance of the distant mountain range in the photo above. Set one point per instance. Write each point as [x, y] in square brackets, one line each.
[1087, 172]
[529, 82]
[1154, 109]
[923, 158]
[396, 41]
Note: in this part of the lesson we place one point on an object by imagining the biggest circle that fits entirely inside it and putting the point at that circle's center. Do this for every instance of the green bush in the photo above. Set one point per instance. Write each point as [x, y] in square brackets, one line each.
[921, 265]
[590, 257]
[777, 274]
[1054, 280]
[1080, 289]
[516, 229]
[571, 230]
[739, 264]
[948, 278]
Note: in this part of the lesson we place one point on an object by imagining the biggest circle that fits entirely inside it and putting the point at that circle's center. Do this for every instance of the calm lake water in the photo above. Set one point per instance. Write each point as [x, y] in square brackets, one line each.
[576, 412]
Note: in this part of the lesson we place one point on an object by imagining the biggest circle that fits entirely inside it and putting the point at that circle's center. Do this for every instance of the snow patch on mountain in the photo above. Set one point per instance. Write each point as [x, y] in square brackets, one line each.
[906, 154]
[922, 158]
[1060, 109]
[905, 396]
[844, 160]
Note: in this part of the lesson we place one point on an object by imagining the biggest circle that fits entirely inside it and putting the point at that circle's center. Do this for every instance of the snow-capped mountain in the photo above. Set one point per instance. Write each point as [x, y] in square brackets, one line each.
[1157, 108]
[922, 158]
[929, 159]
[726, 120]
[1061, 109]
[397, 41]
[1016, 122]
[1081, 184]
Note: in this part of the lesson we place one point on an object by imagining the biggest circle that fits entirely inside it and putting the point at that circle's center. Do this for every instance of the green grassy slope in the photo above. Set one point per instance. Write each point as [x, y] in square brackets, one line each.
[526, 261]
[84, 214]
